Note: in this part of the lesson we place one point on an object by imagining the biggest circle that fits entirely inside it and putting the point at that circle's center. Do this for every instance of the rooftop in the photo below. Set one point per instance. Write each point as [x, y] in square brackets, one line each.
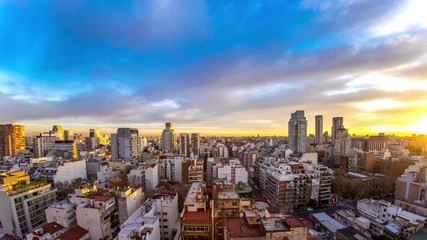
[261, 204]
[294, 222]
[73, 233]
[358, 175]
[329, 223]
[237, 227]
[100, 198]
[245, 189]
[228, 195]
[198, 216]
[192, 193]
[274, 224]
[273, 210]
[61, 205]
[165, 198]
[52, 227]
[351, 233]
[137, 220]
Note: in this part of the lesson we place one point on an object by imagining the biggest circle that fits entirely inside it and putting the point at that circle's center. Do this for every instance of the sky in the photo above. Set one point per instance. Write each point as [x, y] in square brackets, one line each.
[214, 67]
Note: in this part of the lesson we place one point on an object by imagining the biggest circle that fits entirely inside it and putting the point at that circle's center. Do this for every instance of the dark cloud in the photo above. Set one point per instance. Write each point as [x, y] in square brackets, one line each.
[201, 64]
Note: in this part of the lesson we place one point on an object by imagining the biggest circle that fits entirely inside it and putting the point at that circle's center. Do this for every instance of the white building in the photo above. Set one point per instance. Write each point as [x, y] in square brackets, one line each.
[128, 202]
[222, 150]
[62, 212]
[105, 174]
[22, 203]
[390, 215]
[147, 174]
[98, 215]
[142, 143]
[241, 175]
[165, 208]
[230, 170]
[140, 226]
[173, 168]
[70, 171]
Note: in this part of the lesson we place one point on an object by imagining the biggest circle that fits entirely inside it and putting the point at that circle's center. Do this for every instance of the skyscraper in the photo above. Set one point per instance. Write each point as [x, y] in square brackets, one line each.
[43, 143]
[58, 130]
[195, 144]
[125, 145]
[337, 124]
[297, 132]
[68, 135]
[319, 129]
[93, 141]
[168, 139]
[184, 144]
[12, 139]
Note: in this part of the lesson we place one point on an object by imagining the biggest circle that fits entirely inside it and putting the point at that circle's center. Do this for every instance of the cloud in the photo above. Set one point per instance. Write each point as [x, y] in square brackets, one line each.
[209, 66]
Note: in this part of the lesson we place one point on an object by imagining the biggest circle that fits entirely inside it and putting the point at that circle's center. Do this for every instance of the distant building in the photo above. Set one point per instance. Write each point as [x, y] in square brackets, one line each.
[57, 171]
[195, 172]
[379, 142]
[319, 129]
[125, 145]
[297, 132]
[12, 139]
[146, 175]
[184, 144]
[168, 140]
[171, 169]
[195, 144]
[43, 144]
[93, 141]
[68, 135]
[337, 124]
[65, 149]
[57, 129]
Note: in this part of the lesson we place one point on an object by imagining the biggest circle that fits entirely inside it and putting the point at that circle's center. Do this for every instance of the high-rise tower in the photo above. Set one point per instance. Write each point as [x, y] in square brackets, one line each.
[184, 144]
[168, 140]
[337, 124]
[125, 145]
[195, 144]
[12, 139]
[319, 129]
[297, 132]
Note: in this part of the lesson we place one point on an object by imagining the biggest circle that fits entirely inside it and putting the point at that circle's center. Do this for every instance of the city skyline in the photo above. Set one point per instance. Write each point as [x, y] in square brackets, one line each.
[213, 68]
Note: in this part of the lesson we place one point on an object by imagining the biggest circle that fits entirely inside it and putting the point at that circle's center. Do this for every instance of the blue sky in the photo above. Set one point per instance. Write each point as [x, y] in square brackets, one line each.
[220, 67]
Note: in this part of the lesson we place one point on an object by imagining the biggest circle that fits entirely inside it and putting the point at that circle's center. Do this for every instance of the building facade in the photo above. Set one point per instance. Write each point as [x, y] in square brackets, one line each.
[297, 132]
[12, 139]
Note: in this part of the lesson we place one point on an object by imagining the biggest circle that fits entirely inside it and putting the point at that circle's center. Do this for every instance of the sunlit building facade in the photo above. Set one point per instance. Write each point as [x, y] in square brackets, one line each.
[12, 139]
